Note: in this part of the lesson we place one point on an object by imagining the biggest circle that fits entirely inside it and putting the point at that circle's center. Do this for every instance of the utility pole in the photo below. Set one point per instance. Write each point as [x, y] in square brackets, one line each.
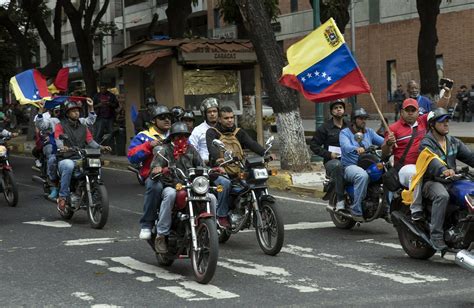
[353, 99]
[319, 117]
[124, 25]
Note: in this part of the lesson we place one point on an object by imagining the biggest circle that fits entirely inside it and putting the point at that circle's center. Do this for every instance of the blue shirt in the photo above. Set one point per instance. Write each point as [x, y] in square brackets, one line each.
[424, 104]
[349, 145]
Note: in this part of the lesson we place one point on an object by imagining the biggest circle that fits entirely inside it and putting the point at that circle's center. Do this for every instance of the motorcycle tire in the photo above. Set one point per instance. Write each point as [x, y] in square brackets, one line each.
[204, 261]
[10, 189]
[272, 228]
[339, 221]
[413, 246]
[67, 213]
[223, 235]
[163, 260]
[98, 215]
[140, 180]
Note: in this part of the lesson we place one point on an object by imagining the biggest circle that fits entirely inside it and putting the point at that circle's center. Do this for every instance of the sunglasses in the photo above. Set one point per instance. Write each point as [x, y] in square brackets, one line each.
[164, 117]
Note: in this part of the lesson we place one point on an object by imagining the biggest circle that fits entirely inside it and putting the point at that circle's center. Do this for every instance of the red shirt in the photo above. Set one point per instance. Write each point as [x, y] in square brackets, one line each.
[403, 131]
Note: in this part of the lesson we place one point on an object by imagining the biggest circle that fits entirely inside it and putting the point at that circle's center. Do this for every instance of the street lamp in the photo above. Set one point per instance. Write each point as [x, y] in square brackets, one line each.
[319, 117]
[124, 25]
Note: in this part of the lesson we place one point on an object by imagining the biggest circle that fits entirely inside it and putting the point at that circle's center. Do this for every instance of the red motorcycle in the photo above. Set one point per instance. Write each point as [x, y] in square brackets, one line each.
[7, 181]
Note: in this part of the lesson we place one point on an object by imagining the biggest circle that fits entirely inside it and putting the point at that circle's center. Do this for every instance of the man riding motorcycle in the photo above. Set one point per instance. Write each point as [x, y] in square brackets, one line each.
[181, 154]
[350, 151]
[209, 110]
[141, 151]
[78, 135]
[448, 149]
[188, 118]
[144, 118]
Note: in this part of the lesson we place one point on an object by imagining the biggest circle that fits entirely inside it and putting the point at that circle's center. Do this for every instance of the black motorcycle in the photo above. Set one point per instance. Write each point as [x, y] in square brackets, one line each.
[251, 203]
[7, 180]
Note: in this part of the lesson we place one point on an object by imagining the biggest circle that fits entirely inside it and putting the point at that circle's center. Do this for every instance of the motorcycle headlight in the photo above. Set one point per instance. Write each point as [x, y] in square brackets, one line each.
[260, 174]
[3, 150]
[200, 185]
[93, 162]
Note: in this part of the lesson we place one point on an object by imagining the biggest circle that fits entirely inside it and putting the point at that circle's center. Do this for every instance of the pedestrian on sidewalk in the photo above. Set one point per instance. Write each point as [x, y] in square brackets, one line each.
[424, 103]
[463, 100]
[105, 103]
[398, 97]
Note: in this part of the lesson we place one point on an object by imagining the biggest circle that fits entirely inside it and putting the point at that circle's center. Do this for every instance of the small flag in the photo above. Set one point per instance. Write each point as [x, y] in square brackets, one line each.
[322, 67]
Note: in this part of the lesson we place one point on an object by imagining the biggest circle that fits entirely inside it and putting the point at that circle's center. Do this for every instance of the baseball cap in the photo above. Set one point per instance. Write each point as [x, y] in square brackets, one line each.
[410, 102]
[444, 117]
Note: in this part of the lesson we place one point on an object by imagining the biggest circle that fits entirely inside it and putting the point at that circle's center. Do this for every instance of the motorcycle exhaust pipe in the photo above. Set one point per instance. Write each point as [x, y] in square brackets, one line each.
[38, 179]
[134, 170]
[465, 259]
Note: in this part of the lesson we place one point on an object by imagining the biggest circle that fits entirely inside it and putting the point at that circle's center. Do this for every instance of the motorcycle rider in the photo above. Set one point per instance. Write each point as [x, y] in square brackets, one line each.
[78, 135]
[177, 112]
[181, 154]
[209, 110]
[226, 131]
[325, 143]
[449, 149]
[143, 120]
[188, 118]
[350, 152]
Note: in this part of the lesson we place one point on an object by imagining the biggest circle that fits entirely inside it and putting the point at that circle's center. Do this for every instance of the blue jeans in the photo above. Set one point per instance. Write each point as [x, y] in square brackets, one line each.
[103, 126]
[360, 179]
[153, 190]
[223, 198]
[66, 169]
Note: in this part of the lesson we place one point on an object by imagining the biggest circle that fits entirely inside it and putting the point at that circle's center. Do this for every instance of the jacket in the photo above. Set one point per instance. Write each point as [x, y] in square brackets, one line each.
[326, 135]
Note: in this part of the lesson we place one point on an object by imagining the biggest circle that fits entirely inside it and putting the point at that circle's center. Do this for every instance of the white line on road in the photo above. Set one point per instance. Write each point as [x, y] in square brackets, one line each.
[300, 200]
[90, 241]
[28, 185]
[302, 226]
[372, 241]
[83, 295]
[54, 224]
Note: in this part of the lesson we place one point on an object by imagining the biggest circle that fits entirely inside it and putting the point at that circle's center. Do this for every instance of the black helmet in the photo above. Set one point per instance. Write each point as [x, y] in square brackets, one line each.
[179, 128]
[359, 113]
[439, 114]
[150, 100]
[177, 112]
[188, 114]
[337, 102]
[159, 110]
[70, 105]
[210, 102]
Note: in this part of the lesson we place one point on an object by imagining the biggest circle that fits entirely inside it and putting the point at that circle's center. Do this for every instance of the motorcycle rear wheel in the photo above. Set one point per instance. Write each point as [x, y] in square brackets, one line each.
[204, 260]
[339, 221]
[10, 189]
[271, 235]
[100, 212]
[413, 246]
[223, 235]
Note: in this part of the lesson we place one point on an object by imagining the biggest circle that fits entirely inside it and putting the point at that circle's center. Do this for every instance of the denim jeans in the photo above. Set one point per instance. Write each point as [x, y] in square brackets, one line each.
[52, 168]
[360, 179]
[153, 190]
[66, 169]
[223, 198]
[335, 171]
[102, 126]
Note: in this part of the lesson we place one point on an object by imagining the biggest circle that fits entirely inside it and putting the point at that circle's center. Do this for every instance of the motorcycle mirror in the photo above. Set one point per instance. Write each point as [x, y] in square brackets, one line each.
[158, 152]
[63, 137]
[359, 137]
[218, 143]
[228, 155]
[270, 140]
[106, 137]
[157, 149]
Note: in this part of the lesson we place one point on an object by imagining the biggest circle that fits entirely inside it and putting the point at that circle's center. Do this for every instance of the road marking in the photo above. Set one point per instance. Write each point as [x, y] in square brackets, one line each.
[28, 185]
[144, 279]
[105, 306]
[98, 262]
[302, 226]
[300, 200]
[372, 241]
[403, 277]
[83, 296]
[90, 241]
[207, 289]
[125, 210]
[180, 292]
[54, 224]
[121, 270]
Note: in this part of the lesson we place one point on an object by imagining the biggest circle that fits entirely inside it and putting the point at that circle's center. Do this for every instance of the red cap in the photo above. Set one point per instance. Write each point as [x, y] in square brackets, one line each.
[410, 102]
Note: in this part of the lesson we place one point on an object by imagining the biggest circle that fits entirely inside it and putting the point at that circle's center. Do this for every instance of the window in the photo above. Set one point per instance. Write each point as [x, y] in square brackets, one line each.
[294, 6]
[217, 19]
[391, 78]
[161, 2]
[440, 66]
[374, 11]
[133, 2]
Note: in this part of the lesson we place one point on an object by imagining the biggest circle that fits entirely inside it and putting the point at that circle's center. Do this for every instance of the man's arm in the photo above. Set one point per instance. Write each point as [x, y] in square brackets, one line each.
[317, 143]
[214, 152]
[90, 140]
[139, 150]
[464, 153]
[346, 146]
[90, 120]
[247, 142]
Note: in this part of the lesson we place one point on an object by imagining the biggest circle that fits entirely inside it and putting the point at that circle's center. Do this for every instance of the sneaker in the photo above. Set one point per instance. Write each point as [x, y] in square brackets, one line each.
[54, 193]
[223, 222]
[340, 206]
[145, 234]
[61, 204]
[160, 244]
[439, 244]
[38, 163]
[417, 216]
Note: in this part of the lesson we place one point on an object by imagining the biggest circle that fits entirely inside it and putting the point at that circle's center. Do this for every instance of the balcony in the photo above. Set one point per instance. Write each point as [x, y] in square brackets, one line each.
[294, 24]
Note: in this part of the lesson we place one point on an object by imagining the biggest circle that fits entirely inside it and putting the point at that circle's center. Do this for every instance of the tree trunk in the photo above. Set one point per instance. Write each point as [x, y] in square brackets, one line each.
[428, 10]
[177, 13]
[294, 153]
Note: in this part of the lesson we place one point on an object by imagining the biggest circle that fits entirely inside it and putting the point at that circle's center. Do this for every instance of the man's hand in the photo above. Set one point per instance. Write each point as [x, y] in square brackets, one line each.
[335, 155]
[41, 106]
[90, 104]
[14, 135]
[273, 156]
[360, 150]
[391, 140]
[105, 148]
[64, 149]
[449, 172]
[154, 143]
[220, 160]
[156, 170]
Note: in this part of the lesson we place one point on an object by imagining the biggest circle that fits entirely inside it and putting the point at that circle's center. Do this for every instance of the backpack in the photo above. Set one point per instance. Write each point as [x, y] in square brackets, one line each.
[231, 143]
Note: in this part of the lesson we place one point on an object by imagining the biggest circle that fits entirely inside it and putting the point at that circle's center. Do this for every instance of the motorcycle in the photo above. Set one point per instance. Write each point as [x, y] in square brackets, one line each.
[88, 191]
[251, 203]
[375, 202]
[7, 181]
[414, 236]
[135, 168]
[193, 229]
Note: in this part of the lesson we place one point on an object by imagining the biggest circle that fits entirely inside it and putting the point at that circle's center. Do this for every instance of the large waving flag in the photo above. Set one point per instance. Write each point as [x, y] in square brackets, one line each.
[322, 67]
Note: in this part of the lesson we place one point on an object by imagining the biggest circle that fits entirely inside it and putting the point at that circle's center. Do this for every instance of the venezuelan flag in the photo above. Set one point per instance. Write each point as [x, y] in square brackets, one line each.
[29, 86]
[322, 68]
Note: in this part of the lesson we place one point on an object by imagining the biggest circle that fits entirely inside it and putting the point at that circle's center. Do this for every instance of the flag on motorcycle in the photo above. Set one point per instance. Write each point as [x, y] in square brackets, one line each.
[322, 67]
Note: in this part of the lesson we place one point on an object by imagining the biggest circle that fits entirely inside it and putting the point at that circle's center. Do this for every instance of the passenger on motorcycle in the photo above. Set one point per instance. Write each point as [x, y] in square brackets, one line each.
[188, 118]
[235, 139]
[78, 136]
[184, 156]
[325, 143]
[144, 118]
[177, 112]
[209, 110]
[449, 149]
[350, 151]
[141, 151]
[45, 122]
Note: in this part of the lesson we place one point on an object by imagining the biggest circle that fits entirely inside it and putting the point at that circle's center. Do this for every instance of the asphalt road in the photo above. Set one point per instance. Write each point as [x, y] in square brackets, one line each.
[46, 261]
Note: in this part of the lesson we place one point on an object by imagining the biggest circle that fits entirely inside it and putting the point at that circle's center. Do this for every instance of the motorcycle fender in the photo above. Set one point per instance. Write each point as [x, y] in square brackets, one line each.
[400, 219]
[7, 167]
[203, 215]
[267, 198]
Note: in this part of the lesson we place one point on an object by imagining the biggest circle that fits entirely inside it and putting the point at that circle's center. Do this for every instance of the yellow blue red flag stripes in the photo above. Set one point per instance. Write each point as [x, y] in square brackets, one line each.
[322, 67]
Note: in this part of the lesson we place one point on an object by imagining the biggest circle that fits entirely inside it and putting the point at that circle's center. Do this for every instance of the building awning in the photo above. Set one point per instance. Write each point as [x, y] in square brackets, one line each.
[143, 60]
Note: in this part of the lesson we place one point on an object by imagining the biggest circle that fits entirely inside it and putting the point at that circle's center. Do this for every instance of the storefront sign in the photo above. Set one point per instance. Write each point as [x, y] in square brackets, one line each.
[217, 54]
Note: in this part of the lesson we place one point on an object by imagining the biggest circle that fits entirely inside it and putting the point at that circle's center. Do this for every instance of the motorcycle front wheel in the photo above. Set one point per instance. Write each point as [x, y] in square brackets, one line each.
[340, 221]
[271, 234]
[10, 190]
[204, 258]
[98, 213]
[413, 246]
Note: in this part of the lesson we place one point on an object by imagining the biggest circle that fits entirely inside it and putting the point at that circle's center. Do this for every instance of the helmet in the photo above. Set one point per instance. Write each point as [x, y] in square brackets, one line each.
[177, 112]
[438, 115]
[337, 102]
[159, 110]
[359, 113]
[210, 102]
[179, 128]
[188, 114]
[70, 105]
[150, 100]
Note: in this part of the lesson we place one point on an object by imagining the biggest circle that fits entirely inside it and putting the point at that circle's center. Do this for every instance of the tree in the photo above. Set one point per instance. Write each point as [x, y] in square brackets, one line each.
[8, 51]
[84, 26]
[337, 9]
[177, 13]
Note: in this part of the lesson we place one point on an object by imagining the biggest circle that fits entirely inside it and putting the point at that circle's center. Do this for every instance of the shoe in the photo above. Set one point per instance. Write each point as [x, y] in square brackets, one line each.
[388, 218]
[61, 204]
[439, 244]
[54, 193]
[223, 222]
[38, 163]
[160, 244]
[145, 234]
[340, 206]
[417, 216]
[357, 217]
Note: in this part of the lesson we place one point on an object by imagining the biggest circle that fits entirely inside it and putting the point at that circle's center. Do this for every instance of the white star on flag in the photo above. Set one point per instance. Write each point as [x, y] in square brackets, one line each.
[303, 79]
[316, 73]
[329, 78]
[309, 75]
[324, 74]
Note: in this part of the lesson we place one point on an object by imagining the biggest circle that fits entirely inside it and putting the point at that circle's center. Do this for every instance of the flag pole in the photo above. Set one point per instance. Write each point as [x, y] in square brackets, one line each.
[379, 112]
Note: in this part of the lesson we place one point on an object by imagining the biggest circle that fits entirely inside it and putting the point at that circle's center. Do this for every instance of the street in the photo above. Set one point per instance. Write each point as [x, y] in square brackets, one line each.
[47, 261]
